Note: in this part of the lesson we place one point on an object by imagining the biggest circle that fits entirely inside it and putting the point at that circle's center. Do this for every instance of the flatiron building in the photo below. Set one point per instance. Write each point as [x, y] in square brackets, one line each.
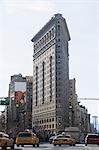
[51, 76]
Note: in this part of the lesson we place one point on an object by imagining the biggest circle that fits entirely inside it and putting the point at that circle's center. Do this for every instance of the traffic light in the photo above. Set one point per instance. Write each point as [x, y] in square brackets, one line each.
[17, 105]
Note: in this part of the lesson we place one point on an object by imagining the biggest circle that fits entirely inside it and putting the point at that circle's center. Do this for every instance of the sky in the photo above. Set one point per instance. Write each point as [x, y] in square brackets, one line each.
[20, 20]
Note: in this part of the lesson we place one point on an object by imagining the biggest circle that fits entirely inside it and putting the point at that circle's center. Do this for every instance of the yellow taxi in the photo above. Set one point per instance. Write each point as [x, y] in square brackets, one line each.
[63, 140]
[6, 141]
[27, 138]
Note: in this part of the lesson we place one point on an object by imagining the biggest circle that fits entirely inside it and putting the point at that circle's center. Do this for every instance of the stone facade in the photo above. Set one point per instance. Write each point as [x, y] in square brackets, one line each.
[19, 113]
[74, 108]
[51, 76]
[85, 120]
[3, 121]
[78, 114]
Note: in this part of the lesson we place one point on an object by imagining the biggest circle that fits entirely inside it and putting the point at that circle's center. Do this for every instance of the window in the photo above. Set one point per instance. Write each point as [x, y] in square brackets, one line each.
[43, 82]
[25, 135]
[53, 32]
[93, 136]
[50, 34]
[44, 39]
[58, 40]
[60, 136]
[38, 45]
[36, 84]
[58, 56]
[52, 125]
[50, 78]
[47, 37]
[58, 27]
[52, 119]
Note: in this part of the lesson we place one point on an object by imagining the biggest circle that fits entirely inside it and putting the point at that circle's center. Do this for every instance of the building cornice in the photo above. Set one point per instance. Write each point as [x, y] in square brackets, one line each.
[48, 25]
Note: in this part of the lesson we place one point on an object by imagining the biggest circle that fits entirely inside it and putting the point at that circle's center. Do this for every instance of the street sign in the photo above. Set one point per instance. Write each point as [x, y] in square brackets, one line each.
[4, 101]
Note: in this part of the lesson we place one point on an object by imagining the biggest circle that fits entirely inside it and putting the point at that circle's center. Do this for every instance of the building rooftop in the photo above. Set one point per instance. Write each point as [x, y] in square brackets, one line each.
[48, 25]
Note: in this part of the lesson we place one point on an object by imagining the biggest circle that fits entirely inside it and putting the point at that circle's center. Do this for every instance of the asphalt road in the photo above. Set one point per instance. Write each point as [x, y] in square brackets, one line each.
[63, 147]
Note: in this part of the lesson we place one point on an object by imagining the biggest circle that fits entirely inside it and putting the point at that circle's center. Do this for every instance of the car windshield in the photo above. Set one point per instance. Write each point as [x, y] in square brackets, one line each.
[4, 135]
[67, 136]
[93, 136]
[52, 137]
[24, 135]
[60, 136]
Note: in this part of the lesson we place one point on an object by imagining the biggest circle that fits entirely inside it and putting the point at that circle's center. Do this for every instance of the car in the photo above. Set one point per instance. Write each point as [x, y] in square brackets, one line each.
[6, 141]
[51, 139]
[27, 138]
[92, 139]
[63, 140]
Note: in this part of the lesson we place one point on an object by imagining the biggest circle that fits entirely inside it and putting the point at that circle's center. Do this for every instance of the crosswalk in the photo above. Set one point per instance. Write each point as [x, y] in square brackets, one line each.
[63, 147]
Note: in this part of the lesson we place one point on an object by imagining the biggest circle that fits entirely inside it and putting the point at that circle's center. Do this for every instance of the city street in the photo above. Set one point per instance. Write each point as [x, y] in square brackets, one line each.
[64, 147]
[48, 68]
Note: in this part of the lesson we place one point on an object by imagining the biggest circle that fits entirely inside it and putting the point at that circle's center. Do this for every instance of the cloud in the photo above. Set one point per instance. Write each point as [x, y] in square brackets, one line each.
[14, 6]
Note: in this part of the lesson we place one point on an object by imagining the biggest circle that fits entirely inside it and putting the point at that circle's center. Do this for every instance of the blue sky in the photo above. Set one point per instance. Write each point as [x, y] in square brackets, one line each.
[20, 20]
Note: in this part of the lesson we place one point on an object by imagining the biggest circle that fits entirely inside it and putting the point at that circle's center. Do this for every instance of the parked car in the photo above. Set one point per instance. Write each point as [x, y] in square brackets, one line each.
[63, 140]
[27, 138]
[6, 141]
[51, 139]
[92, 139]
